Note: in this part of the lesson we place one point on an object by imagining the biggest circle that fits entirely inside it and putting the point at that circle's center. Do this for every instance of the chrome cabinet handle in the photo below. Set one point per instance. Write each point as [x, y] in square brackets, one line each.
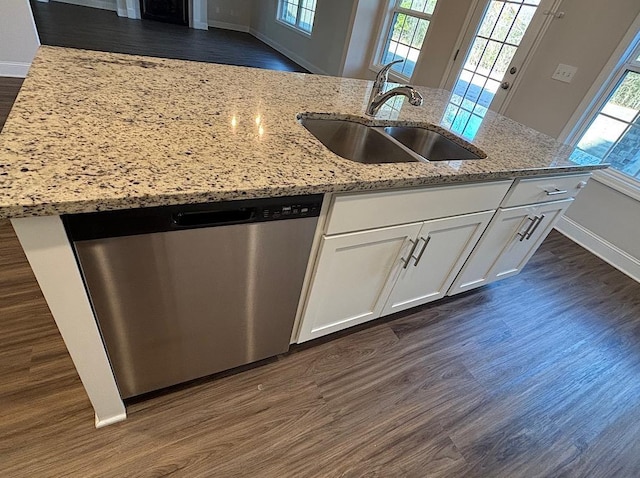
[406, 261]
[555, 191]
[426, 243]
[523, 235]
[536, 223]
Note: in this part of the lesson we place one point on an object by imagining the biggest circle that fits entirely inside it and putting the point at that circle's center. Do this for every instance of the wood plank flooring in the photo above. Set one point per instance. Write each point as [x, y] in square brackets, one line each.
[9, 88]
[61, 24]
[533, 376]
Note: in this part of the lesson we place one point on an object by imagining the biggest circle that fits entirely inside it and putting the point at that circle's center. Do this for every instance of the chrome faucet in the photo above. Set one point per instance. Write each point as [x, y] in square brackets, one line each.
[378, 98]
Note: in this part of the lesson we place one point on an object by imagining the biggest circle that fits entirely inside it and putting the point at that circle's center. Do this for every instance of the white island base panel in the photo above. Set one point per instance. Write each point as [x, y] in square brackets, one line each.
[52, 260]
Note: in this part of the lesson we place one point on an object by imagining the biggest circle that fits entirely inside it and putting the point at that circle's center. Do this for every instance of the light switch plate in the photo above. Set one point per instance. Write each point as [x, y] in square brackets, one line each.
[564, 73]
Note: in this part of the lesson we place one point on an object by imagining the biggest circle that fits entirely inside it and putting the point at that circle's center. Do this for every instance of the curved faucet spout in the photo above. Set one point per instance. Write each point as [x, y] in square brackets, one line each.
[378, 98]
[414, 96]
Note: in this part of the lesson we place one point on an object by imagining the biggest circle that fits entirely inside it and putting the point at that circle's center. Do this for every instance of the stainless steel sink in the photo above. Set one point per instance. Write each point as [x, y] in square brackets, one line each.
[379, 144]
[356, 141]
[430, 144]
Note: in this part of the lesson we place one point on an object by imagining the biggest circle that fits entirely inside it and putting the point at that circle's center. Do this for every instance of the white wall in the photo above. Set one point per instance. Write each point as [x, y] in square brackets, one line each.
[18, 37]
[363, 38]
[610, 215]
[322, 52]
[586, 38]
[230, 14]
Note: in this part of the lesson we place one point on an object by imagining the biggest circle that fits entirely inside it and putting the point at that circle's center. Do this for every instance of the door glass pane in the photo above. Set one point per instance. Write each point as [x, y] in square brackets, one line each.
[490, 19]
[506, 19]
[503, 62]
[500, 32]
[520, 25]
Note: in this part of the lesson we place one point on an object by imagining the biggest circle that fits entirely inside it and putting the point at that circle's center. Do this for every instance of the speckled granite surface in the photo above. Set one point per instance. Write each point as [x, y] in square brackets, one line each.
[96, 131]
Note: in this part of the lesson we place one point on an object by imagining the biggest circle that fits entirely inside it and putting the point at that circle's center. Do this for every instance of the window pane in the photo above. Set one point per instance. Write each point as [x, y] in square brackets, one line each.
[289, 11]
[405, 40]
[298, 13]
[614, 136]
[601, 136]
[627, 94]
[625, 155]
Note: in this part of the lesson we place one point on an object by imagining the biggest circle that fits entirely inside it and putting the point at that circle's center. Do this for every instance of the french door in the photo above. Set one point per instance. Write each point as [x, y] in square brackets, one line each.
[498, 39]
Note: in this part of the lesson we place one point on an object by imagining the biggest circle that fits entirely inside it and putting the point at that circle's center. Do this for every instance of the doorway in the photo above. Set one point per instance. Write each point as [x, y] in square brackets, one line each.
[169, 11]
[497, 42]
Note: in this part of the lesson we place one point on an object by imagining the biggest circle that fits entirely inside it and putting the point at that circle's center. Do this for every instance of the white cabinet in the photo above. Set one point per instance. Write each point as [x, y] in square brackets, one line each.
[439, 251]
[361, 276]
[353, 278]
[510, 240]
[383, 252]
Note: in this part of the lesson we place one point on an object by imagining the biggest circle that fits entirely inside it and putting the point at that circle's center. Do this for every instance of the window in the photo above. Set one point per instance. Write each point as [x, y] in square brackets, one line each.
[612, 133]
[408, 25]
[297, 13]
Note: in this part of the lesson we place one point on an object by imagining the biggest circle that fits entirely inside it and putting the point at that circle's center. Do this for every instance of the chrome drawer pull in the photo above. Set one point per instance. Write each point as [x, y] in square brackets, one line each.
[523, 235]
[426, 242]
[406, 261]
[555, 191]
[537, 222]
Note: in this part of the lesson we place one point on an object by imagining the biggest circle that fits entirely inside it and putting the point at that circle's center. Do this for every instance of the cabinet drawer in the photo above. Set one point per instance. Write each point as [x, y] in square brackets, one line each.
[360, 211]
[530, 191]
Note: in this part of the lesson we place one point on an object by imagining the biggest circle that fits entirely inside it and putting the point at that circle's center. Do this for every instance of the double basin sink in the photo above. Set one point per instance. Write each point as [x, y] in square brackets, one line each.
[385, 144]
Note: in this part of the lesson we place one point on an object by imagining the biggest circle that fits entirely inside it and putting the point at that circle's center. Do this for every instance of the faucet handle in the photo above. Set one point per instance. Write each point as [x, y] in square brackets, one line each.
[383, 75]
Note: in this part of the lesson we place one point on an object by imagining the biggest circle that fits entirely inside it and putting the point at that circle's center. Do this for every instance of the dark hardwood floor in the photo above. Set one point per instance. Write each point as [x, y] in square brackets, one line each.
[61, 24]
[9, 88]
[533, 376]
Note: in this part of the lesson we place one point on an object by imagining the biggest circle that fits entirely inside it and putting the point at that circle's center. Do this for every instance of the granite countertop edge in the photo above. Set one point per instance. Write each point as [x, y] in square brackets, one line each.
[95, 131]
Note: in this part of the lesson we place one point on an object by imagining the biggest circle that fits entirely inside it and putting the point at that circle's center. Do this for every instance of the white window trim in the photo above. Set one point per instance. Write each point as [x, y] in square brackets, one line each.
[295, 27]
[381, 38]
[595, 99]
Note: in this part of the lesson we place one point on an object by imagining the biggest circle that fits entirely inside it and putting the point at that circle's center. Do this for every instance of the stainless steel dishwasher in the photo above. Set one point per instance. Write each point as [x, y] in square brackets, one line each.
[180, 292]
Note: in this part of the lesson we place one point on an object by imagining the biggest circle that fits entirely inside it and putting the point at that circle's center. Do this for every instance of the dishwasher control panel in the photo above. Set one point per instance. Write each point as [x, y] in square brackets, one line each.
[129, 222]
[291, 210]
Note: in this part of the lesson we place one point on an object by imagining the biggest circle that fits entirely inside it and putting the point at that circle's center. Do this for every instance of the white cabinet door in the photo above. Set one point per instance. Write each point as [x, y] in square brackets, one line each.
[353, 277]
[511, 239]
[443, 245]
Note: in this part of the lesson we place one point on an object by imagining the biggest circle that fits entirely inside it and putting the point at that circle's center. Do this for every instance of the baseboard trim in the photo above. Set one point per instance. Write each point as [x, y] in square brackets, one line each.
[14, 69]
[288, 53]
[200, 25]
[229, 26]
[101, 4]
[110, 420]
[606, 251]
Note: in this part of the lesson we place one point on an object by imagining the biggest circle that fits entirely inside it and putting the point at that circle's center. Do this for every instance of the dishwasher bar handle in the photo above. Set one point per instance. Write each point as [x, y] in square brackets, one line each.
[213, 218]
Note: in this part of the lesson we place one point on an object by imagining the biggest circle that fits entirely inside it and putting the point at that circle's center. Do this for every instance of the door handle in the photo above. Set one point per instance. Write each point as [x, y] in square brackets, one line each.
[406, 261]
[426, 243]
[523, 235]
[537, 222]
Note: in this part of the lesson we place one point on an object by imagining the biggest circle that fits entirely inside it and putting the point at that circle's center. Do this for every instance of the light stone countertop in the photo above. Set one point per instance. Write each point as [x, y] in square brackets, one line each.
[93, 131]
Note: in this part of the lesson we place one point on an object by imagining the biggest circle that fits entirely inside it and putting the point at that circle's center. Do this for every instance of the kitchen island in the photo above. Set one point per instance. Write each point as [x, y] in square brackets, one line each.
[95, 131]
